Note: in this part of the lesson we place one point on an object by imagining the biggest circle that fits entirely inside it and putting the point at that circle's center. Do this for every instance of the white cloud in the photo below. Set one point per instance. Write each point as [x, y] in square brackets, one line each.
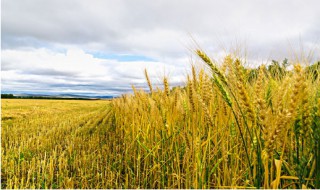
[42, 69]
[74, 62]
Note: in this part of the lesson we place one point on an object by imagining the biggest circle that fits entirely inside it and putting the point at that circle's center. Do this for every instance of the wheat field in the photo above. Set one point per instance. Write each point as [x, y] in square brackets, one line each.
[54, 144]
[229, 126]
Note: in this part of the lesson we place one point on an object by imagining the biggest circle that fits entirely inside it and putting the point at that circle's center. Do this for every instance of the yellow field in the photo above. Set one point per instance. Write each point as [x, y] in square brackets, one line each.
[228, 127]
[53, 143]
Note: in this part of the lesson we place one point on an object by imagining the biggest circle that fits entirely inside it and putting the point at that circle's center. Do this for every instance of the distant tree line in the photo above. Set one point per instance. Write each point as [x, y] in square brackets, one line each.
[8, 96]
[11, 96]
[277, 70]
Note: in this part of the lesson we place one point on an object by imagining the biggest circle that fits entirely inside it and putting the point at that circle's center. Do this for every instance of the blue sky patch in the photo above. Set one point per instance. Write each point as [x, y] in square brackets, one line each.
[121, 57]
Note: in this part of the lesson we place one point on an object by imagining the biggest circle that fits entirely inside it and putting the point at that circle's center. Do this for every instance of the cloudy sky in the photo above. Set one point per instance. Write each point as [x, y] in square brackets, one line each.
[102, 46]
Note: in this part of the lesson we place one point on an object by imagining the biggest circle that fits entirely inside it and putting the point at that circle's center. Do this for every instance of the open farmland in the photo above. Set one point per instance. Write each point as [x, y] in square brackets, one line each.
[120, 94]
[228, 127]
[53, 143]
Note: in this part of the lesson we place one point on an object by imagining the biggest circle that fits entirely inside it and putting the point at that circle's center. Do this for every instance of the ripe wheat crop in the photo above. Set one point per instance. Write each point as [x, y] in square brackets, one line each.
[54, 144]
[229, 126]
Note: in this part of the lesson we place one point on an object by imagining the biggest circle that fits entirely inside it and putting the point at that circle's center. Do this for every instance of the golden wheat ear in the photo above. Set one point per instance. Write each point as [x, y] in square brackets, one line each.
[212, 66]
[148, 80]
[166, 86]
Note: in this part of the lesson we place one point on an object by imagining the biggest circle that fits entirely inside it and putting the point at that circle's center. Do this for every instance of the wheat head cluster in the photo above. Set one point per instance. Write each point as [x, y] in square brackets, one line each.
[229, 126]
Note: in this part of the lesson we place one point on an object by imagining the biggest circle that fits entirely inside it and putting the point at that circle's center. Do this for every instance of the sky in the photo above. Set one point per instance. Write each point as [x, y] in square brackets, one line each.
[101, 47]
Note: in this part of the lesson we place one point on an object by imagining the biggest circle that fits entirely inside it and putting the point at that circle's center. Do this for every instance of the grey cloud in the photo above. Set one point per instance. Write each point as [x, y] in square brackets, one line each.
[58, 21]
[10, 41]
[133, 26]
[6, 66]
[51, 83]
[155, 28]
[48, 72]
[32, 85]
